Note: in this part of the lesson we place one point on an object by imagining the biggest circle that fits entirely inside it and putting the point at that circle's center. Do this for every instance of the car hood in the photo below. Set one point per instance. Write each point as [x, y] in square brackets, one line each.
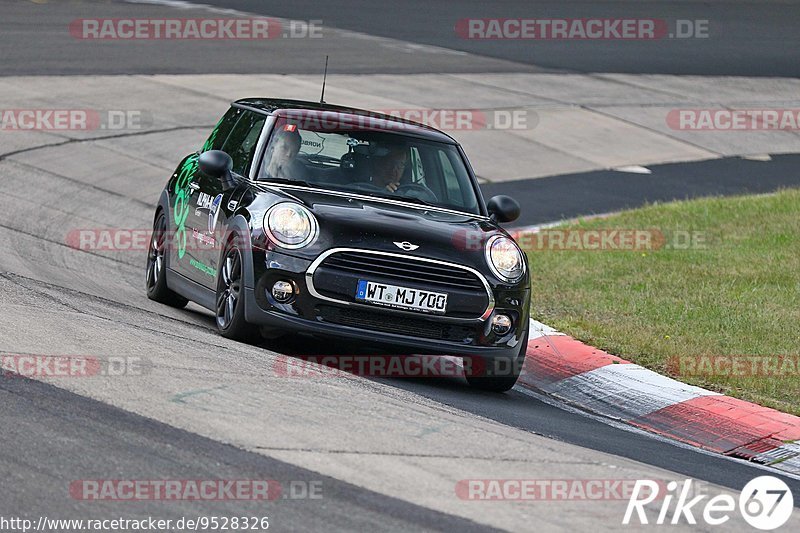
[356, 222]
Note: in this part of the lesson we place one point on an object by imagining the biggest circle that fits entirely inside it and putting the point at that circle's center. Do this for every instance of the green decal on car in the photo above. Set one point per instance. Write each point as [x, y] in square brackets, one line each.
[202, 267]
[180, 209]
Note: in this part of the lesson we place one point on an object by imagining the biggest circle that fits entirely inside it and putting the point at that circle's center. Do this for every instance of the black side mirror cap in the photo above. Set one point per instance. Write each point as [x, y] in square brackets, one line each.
[215, 163]
[503, 208]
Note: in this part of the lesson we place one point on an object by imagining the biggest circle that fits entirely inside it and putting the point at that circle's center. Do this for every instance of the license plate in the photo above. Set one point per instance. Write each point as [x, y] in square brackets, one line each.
[401, 297]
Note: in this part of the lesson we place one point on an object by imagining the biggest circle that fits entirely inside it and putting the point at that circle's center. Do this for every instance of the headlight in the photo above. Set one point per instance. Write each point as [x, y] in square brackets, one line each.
[290, 225]
[505, 258]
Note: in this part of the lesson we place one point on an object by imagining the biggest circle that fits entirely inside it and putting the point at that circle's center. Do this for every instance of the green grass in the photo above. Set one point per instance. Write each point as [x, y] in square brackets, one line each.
[738, 295]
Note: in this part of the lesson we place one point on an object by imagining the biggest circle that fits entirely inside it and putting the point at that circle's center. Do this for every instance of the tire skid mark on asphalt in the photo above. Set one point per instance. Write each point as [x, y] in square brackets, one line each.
[27, 200]
[419, 455]
[45, 295]
[10, 276]
[216, 98]
[76, 181]
[116, 320]
[30, 284]
[231, 399]
[73, 140]
[666, 134]
[65, 245]
[387, 42]
[244, 398]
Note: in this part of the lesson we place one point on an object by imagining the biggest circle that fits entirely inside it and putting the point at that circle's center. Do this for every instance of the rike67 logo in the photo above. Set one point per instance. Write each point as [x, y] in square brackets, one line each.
[766, 503]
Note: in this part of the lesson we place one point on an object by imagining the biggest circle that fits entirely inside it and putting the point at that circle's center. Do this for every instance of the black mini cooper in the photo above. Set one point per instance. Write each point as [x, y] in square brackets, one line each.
[304, 217]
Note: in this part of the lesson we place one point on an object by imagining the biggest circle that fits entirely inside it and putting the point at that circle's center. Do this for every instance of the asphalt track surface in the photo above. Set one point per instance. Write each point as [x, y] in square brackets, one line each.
[591, 193]
[62, 299]
[746, 38]
[40, 421]
[755, 38]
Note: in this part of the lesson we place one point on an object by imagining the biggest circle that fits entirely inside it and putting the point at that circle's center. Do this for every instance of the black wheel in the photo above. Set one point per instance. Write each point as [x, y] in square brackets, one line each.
[156, 275]
[497, 375]
[230, 297]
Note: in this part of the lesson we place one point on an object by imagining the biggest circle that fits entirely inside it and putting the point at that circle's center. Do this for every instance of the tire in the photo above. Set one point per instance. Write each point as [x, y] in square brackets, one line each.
[481, 377]
[230, 297]
[156, 271]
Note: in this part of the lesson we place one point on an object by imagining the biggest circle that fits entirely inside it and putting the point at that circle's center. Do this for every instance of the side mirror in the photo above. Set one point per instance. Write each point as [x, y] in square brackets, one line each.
[503, 208]
[217, 164]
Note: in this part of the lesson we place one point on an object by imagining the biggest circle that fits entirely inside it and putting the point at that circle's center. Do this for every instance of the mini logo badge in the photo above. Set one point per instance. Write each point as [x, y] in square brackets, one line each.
[405, 245]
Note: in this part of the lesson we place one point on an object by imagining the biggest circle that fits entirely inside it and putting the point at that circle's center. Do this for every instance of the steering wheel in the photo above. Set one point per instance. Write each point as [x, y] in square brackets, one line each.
[363, 186]
[418, 191]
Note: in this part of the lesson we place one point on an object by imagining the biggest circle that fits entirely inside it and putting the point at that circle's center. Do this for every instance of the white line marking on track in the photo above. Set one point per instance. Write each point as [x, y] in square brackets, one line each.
[634, 169]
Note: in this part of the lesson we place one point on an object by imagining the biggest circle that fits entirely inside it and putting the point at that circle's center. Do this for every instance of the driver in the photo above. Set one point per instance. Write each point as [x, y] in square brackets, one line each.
[282, 154]
[389, 169]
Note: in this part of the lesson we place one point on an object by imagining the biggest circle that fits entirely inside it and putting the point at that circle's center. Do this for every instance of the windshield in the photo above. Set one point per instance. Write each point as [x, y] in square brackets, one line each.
[371, 162]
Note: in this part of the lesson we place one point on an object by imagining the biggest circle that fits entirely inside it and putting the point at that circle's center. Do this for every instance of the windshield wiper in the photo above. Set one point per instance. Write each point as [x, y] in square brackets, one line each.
[411, 199]
[287, 181]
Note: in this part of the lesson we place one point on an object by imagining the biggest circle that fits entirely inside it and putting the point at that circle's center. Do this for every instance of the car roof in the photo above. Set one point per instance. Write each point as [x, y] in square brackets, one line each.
[280, 106]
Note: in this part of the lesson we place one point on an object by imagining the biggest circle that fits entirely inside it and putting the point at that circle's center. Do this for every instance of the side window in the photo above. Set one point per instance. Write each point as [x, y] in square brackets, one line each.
[417, 170]
[222, 130]
[450, 180]
[241, 143]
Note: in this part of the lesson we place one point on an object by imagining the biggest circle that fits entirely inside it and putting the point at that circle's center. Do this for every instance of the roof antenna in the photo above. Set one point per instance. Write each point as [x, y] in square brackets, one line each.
[324, 77]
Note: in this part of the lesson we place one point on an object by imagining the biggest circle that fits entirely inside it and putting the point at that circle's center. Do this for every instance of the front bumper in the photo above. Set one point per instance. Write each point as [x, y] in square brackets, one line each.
[422, 333]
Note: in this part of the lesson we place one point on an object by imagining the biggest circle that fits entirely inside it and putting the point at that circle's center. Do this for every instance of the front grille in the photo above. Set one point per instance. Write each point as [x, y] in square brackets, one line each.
[403, 269]
[376, 321]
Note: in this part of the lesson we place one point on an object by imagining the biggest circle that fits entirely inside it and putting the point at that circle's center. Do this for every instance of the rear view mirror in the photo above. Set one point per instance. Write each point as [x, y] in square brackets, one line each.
[503, 208]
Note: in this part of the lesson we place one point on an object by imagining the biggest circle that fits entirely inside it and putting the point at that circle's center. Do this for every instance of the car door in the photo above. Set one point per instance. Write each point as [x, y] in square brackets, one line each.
[184, 197]
[213, 204]
[183, 201]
